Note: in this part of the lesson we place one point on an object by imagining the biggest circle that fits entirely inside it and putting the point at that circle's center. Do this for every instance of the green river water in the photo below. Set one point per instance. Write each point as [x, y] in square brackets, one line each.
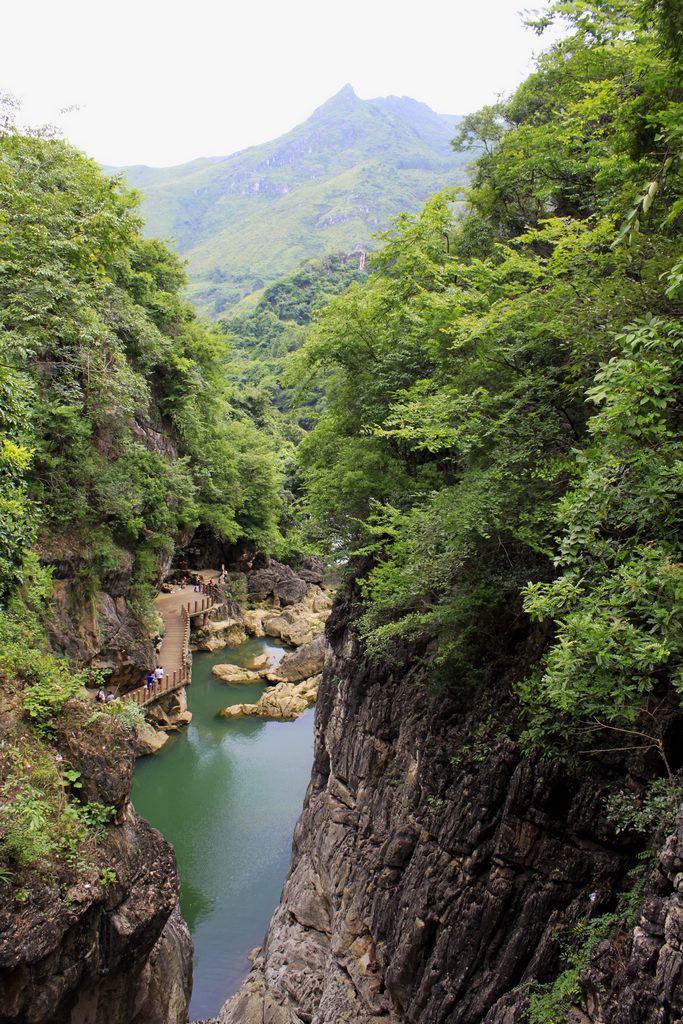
[227, 795]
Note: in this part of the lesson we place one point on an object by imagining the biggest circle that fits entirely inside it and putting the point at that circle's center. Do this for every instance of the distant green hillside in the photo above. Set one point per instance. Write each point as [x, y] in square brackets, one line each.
[327, 186]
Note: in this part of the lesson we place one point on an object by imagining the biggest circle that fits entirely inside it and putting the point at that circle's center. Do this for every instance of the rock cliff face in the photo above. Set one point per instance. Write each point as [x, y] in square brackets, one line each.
[100, 632]
[96, 938]
[436, 871]
[637, 976]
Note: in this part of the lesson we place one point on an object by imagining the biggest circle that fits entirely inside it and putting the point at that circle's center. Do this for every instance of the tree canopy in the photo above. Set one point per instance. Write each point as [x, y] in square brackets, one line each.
[503, 396]
[119, 429]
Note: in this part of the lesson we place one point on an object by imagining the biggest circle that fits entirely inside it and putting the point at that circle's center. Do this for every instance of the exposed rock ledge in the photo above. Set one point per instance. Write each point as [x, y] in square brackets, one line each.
[295, 622]
[77, 950]
[283, 702]
[436, 870]
[168, 714]
[296, 681]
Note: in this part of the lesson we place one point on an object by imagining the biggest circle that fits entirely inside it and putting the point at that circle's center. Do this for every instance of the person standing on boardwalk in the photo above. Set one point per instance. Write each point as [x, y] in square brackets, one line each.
[159, 674]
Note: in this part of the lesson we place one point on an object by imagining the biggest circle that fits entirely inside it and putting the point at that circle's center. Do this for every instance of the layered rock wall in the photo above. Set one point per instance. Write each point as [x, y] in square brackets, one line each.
[436, 871]
[100, 632]
[94, 936]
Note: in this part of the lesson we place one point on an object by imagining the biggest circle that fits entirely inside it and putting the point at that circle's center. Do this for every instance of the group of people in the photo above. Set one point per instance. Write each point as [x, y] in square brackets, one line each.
[157, 676]
[196, 580]
[104, 698]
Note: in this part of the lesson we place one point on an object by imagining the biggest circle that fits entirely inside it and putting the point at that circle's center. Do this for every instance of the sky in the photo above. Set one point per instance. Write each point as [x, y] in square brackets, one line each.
[161, 82]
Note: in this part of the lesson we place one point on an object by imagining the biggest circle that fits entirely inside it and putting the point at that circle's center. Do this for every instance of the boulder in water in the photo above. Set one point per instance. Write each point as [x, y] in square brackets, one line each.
[283, 702]
[302, 664]
[260, 662]
[236, 674]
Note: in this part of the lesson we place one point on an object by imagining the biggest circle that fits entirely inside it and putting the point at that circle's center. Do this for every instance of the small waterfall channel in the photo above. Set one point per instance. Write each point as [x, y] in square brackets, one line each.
[227, 795]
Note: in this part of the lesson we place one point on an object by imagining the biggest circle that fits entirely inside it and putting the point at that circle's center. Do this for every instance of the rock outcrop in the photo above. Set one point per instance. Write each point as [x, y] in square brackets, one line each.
[216, 635]
[304, 663]
[170, 711]
[95, 935]
[277, 583]
[298, 624]
[284, 702]
[636, 977]
[296, 681]
[101, 633]
[166, 715]
[150, 740]
[437, 871]
[236, 675]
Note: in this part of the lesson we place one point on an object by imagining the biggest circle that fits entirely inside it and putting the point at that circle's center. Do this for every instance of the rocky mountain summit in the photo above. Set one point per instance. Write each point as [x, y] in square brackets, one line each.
[328, 185]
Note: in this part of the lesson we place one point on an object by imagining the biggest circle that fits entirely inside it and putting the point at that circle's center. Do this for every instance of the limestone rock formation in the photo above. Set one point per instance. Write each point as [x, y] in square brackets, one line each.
[97, 939]
[283, 702]
[168, 976]
[167, 714]
[102, 632]
[290, 627]
[436, 869]
[253, 620]
[170, 711]
[236, 675]
[150, 740]
[296, 678]
[636, 977]
[304, 663]
[278, 583]
[214, 636]
[298, 624]
[260, 662]
[297, 605]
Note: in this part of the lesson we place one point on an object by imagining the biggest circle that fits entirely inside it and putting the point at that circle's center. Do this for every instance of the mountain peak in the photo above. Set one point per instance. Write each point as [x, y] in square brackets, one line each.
[326, 186]
[346, 92]
[345, 99]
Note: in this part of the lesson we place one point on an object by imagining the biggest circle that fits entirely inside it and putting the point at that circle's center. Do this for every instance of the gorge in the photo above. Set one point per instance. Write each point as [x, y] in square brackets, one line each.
[479, 436]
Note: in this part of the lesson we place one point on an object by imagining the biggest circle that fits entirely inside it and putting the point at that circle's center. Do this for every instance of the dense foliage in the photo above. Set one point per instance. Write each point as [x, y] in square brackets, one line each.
[503, 397]
[497, 409]
[120, 434]
[262, 339]
[119, 428]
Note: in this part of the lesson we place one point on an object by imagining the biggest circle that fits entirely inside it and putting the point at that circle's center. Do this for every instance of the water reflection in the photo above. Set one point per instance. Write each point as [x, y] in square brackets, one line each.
[249, 727]
[197, 905]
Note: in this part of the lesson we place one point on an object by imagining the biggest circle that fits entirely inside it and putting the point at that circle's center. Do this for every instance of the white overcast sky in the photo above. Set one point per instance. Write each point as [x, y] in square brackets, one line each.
[161, 82]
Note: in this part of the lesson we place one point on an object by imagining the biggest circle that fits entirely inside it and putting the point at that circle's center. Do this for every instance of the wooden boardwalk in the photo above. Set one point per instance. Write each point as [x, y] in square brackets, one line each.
[176, 610]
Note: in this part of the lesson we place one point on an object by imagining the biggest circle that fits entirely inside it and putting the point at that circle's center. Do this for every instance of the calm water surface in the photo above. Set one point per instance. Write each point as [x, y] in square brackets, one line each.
[227, 795]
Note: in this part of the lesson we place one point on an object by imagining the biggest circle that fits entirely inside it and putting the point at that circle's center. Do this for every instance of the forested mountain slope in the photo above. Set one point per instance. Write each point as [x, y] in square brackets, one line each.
[327, 186]
[122, 431]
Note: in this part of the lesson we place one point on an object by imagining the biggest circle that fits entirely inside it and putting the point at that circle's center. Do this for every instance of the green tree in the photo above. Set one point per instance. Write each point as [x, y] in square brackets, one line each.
[459, 382]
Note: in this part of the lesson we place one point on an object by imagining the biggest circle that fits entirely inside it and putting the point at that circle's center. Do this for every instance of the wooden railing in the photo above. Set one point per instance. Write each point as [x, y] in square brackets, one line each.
[182, 676]
[173, 681]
